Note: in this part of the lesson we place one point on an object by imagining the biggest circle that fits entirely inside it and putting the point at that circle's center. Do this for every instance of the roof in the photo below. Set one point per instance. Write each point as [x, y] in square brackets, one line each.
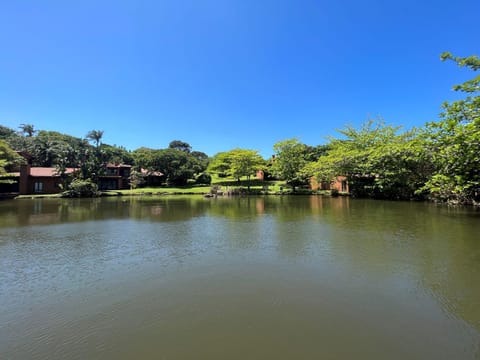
[47, 171]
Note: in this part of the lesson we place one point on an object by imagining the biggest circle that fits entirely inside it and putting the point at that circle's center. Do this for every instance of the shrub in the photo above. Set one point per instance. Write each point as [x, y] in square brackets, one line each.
[204, 179]
[82, 188]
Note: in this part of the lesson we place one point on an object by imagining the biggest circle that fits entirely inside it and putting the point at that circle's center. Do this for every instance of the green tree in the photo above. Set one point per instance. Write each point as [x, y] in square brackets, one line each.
[6, 132]
[27, 129]
[220, 164]
[95, 136]
[180, 145]
[237, 163]
[93, 161]
[245, 163]
[8, 159]
[117, 154]
[454, 142]
[200, 161]
[289, 161]
[178, 166]
[313, 153]
[136, 178]
[377, 160]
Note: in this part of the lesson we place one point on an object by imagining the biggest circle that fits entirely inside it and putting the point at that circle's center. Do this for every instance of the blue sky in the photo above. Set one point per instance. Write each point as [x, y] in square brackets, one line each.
[232, 73]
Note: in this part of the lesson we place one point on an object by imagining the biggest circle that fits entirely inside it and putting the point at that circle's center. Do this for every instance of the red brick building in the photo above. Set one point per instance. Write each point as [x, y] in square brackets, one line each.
[46, 180]
[338, 183]
[117, 176]
[40, 180]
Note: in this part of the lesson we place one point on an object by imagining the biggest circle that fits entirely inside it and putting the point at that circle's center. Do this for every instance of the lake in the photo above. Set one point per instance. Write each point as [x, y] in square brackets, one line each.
[279, 277]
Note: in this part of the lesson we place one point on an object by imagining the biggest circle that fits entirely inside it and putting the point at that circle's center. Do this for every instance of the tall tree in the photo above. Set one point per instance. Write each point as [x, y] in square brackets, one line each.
[178, 166]
[237, 163]
[27, 129]
[289, 160]
[8, 158]
[180, 145]
[95, 136]
[6, 132]
[220, 163]
[94, 161]
[246, 163]
[455, 141]
[377, 160]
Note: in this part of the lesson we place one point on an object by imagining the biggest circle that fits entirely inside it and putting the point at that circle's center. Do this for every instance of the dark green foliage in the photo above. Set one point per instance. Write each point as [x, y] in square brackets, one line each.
[117, 154]
[290, 160]
[6, 132]
[378, 161]
[237, 163]
[136, 179]
[95, 136]
[440, 161]
[454, 142]
[180, 145]
[203, 179]
[27, 129]
[9, 160]
[178, 166]
[81, 188]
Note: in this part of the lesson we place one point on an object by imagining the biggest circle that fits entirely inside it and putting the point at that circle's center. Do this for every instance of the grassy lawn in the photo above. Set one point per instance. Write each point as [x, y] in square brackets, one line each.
[166, 190]
[38, 196]
[223, 184]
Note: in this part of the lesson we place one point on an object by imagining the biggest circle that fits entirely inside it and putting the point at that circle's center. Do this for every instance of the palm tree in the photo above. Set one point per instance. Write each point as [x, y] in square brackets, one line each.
[96, 136]
[27, 129]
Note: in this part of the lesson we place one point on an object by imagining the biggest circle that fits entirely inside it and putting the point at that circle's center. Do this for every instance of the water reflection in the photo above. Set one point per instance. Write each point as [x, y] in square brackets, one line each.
[323, 260]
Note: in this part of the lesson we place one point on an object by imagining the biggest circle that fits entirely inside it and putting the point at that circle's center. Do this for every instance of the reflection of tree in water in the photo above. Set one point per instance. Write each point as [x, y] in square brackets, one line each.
[436, 251]
[451, 267]
[167, 208]
[436, 248]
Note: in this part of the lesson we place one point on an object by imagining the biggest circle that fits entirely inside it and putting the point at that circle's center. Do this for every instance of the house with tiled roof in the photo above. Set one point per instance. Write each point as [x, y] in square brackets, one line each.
[47, 180]
[116, 177]
[41, 180]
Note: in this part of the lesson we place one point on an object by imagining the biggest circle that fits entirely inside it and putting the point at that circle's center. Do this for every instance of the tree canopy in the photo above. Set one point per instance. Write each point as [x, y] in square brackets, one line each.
[440, 161]
[454, 141]
[289, 161]
[95, 136]
[8, 158]
[178, 166]
[377, 159]
[237, 163]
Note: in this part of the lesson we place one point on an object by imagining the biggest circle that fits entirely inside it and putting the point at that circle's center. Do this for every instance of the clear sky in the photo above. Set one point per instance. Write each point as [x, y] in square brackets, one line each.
[220, 74]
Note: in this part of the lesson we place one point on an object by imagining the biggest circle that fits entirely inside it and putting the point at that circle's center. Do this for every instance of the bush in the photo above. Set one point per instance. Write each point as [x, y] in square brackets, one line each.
[203, 179]
[82, 188]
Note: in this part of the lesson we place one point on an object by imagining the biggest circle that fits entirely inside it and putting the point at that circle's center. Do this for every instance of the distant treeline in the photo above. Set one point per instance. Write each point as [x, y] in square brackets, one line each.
[440, 161]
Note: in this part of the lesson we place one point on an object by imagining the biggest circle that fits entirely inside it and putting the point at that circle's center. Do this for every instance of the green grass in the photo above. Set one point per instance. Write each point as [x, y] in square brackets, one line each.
[223, 184]
[166, 190]
[38, 196]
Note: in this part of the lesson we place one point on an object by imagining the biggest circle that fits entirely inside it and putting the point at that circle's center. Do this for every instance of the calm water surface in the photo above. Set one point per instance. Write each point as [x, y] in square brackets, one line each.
[242, 278]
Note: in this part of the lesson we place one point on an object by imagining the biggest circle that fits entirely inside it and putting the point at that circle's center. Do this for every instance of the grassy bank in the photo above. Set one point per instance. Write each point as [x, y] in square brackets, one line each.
[222, 185]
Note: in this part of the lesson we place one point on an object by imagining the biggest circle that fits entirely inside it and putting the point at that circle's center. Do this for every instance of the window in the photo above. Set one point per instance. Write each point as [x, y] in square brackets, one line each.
[38, 187]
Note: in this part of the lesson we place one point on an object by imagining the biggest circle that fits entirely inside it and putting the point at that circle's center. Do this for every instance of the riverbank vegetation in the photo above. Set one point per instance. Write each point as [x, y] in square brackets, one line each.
[439, 161]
